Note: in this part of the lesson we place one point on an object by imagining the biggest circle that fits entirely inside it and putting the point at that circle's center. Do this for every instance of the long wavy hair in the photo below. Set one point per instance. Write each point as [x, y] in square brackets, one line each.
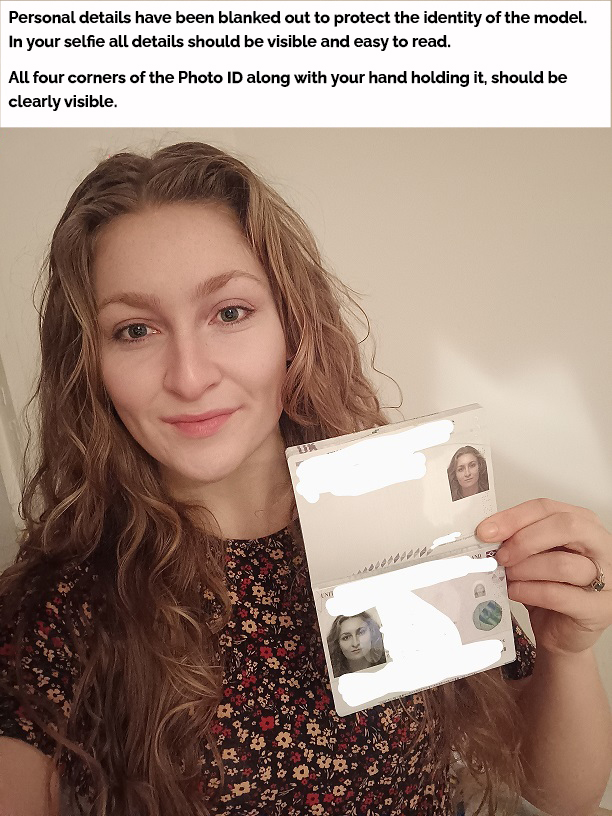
[483, 473]
[150, 660]
[340, 664]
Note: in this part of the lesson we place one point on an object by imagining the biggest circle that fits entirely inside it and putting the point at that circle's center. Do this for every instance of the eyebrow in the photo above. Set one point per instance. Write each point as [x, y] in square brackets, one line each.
[202, 290]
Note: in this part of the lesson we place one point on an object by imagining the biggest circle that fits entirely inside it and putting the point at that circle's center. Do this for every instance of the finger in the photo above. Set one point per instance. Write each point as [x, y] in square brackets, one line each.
[559, 566]
[504, 524]
[584, 607]
[570, 531]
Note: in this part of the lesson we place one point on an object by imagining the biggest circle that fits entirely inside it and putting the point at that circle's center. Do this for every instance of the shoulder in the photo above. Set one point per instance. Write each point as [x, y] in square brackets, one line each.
[55, 597]
[40, 652]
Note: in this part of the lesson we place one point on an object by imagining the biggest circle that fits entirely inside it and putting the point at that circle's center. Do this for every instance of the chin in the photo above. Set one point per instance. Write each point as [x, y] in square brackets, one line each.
[207, 474]
[208, 470]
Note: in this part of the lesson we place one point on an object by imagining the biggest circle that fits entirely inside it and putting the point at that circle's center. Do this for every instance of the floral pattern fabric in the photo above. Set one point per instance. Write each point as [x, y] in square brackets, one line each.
[284, 749]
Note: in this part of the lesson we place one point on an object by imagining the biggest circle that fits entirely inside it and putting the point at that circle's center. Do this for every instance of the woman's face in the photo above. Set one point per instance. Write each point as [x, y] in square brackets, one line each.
[467, 471]
[208, 344]
[355, 639]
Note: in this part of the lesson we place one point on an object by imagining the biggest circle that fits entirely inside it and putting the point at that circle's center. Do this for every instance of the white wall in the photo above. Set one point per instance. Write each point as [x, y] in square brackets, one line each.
[483, 256]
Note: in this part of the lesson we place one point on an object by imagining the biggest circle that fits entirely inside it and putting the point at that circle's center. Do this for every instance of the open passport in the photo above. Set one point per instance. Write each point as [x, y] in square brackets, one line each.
[407, 598]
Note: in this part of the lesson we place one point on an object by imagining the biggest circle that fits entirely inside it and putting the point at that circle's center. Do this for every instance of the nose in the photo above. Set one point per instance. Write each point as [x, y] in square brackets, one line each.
[356, 640]
[190, 367]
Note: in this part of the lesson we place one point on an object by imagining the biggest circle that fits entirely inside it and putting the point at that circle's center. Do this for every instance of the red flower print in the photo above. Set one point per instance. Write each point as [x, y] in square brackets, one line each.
[283, 746]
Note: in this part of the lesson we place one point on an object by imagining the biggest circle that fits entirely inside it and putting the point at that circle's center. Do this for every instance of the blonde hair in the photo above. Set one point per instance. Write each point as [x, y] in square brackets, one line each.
[151, 675]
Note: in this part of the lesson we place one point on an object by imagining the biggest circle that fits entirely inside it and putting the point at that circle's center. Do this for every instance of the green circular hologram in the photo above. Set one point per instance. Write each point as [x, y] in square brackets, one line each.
[487, 615]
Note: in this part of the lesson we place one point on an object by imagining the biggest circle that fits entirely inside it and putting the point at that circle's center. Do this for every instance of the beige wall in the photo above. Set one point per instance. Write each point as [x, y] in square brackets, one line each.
[483, 256]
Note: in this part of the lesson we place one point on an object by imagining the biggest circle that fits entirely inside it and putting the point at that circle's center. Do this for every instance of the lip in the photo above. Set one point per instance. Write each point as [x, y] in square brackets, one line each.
[199, 417]
[199, 430]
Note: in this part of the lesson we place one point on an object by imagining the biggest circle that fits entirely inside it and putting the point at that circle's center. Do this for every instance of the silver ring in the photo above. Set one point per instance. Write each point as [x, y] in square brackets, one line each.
[597, 584]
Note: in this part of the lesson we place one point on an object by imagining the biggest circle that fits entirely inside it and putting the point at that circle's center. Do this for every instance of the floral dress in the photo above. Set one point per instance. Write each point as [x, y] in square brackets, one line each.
[285, 751]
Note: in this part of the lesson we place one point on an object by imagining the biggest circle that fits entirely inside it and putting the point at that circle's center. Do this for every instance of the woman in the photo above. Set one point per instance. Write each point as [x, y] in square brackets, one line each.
[467, 473]
[355, 643]
[159, 638]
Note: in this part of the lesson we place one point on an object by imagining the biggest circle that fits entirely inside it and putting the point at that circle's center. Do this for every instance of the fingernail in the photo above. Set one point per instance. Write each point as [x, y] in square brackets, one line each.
[502, 556]
[488, 530]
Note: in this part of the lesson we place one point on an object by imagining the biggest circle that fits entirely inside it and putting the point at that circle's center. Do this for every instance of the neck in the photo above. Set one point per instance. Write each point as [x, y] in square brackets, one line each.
[358, 665]
[470, 491]
[254, 501]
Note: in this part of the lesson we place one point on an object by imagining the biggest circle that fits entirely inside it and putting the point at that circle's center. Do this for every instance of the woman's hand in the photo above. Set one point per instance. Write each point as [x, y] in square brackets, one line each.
[546, 550]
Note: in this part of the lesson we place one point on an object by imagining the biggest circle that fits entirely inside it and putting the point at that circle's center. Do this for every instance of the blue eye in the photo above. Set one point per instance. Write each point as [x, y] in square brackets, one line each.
[234, 307]
[229, 309]
[117, 334]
